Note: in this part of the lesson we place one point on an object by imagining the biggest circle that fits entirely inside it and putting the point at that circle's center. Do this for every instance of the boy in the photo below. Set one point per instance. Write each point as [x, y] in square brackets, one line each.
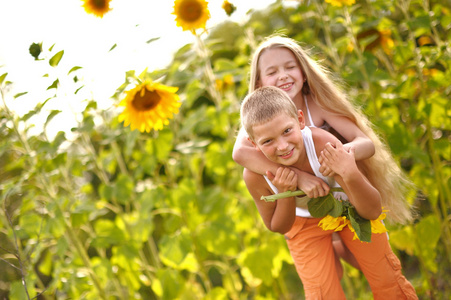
[277, 129]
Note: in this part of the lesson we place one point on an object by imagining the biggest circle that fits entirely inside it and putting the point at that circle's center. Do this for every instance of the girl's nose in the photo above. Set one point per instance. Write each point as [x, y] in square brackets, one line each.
[283, 76]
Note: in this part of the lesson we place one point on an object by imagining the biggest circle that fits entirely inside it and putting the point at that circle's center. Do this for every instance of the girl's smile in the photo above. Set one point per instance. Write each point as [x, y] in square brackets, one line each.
[279, 67]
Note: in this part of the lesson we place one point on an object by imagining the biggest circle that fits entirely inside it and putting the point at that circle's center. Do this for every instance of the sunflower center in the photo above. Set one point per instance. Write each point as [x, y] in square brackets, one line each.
[99, 3]
[190, 10]
[146, 101]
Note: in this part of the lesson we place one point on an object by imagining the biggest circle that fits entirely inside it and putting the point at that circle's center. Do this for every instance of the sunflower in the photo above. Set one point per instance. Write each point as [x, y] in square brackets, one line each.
[149, 105]
[338, 223]
[97, 7]
[228, 7]
[191, 14]
[340, 3]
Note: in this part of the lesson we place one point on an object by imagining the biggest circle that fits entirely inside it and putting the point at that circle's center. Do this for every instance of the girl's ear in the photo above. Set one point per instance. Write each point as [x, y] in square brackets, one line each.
[258, 84]
[301, 119]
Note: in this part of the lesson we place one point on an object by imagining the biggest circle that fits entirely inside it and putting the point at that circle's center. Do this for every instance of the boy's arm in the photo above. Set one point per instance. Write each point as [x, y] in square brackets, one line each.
[278, 216]
[246, 155]
[365, 198]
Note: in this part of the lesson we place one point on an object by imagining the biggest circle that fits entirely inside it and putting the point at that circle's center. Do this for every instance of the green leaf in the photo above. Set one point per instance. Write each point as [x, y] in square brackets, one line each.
[163, 144]
[20, 94]
[176, 251]
[114, 46]
[321, 206]
[152, 40]
[427, 235]
[52, 114]
[337, 210]
[107, 234]
[74, 69]
[167, 284]
[54, 61]
[2, 77]
[403, 239]
[361, 226]
[218, 239]
[123, 189]
[54, 85]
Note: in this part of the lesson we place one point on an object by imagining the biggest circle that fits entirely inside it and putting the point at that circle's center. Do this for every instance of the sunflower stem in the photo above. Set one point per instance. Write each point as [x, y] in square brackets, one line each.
[272, 198]
[203, 53]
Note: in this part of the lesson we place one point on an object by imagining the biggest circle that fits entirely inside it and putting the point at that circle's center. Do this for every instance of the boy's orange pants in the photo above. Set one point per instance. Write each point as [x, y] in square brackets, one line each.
[314, 258]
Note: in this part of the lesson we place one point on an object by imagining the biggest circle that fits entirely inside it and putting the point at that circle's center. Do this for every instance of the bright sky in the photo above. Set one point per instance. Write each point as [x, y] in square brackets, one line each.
[86, 41]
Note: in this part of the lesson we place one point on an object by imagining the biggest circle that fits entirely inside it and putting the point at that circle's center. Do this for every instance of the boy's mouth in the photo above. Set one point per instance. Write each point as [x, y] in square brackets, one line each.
[287, 155]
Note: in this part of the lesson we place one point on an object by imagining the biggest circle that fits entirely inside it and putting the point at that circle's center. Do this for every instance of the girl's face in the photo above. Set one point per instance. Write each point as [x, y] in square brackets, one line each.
[279, 67]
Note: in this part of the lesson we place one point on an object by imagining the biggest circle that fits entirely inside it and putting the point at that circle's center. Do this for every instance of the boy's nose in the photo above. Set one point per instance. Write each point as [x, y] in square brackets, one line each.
[282, 146]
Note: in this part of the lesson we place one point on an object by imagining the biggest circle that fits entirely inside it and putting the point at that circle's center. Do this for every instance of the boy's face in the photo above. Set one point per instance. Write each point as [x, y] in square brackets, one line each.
[280, 139]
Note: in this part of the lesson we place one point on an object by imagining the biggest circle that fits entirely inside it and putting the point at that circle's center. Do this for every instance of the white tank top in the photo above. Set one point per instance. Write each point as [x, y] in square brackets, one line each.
[301, 203]
[325, 125]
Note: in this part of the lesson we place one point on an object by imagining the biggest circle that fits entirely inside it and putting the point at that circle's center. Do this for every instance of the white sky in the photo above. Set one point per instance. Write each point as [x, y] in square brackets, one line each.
[86, 41]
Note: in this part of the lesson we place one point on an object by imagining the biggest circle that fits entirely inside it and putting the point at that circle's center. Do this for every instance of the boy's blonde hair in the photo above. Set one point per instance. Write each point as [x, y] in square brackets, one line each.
[263, 105]
[381, 169]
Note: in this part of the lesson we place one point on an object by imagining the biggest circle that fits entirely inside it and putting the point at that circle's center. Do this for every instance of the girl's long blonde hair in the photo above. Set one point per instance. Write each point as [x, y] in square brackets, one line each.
[381, 169]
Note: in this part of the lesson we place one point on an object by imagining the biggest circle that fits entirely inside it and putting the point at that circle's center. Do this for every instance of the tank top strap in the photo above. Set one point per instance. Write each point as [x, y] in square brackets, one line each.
[311, 152]
[308, 112]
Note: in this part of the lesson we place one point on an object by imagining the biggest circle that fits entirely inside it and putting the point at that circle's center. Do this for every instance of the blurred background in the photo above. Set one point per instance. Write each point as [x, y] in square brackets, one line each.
[92, 208]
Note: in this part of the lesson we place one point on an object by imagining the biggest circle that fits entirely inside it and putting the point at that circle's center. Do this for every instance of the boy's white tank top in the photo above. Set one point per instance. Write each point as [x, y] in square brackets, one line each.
[301, 203]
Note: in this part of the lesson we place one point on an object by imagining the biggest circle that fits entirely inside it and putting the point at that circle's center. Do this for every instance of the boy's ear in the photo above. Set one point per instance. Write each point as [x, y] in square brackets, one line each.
[301, 119]
[255, 145]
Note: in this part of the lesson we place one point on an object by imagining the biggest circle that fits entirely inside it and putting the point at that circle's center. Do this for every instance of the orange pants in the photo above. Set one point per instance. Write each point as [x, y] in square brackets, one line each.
[314, 258]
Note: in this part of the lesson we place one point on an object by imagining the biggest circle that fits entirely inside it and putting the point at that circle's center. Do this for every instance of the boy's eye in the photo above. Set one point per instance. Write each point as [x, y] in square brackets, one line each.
[287, 130]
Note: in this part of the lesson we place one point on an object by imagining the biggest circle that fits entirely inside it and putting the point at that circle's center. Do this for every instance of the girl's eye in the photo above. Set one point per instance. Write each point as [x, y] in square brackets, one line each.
[288, 130]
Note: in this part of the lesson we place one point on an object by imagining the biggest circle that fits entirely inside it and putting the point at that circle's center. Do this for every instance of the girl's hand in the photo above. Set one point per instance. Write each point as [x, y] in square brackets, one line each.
[337, 158]
[284, 180]
[311, 185]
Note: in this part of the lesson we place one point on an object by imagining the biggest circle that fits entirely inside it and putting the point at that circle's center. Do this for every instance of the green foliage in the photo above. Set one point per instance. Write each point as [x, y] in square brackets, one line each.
[103, 212]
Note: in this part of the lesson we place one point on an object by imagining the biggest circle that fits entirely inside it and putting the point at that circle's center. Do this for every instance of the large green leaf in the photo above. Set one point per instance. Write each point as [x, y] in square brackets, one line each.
[54, 61]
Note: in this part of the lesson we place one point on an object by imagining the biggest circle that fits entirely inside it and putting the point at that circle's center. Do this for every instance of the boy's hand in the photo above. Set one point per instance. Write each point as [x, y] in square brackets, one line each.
[284, 180]
[325, 170]
[337, 159]
[311, 185]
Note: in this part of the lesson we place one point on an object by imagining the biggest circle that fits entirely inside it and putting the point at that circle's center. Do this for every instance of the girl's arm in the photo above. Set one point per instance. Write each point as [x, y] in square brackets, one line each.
[246, 155]
[365, 198]
[363, 146]
[278, 216]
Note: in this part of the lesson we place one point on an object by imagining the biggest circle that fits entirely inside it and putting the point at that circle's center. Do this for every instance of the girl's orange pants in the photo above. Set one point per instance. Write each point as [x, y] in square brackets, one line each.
[314, 258]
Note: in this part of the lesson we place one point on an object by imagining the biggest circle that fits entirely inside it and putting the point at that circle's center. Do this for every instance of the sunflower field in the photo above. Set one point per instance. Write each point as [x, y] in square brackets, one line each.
[143, 200]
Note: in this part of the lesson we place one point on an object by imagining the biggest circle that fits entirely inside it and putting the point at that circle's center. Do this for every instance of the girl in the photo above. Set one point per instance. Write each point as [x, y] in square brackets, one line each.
[281, 62]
